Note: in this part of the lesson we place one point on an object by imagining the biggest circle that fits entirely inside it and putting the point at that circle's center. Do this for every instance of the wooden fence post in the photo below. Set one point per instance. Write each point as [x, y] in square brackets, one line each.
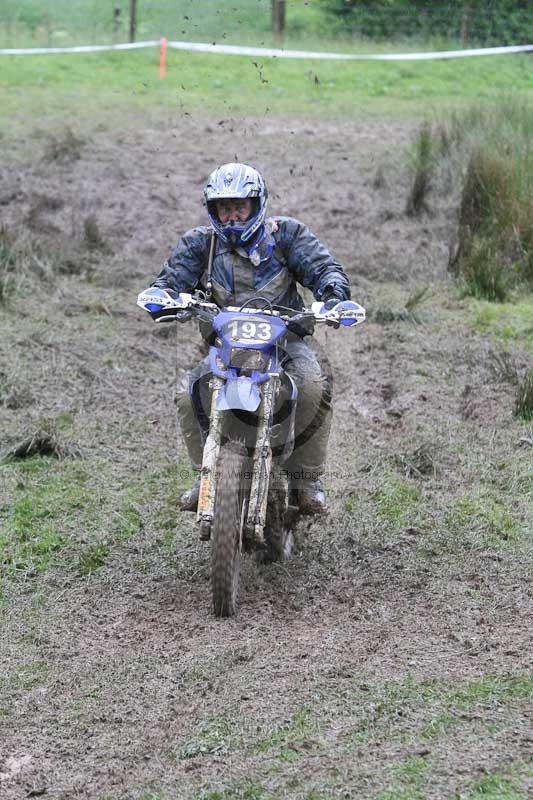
[278, 18]
[133, 20]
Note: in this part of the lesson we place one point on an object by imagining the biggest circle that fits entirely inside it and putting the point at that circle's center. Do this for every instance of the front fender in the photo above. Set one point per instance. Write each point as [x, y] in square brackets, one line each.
[240, 394]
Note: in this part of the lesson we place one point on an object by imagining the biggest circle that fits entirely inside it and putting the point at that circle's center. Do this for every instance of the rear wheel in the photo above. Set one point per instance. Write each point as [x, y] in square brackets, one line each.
[278, 530]
[226, 531]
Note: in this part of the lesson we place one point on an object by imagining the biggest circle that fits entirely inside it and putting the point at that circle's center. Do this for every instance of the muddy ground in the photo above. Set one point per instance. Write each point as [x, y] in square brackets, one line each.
[390, 657]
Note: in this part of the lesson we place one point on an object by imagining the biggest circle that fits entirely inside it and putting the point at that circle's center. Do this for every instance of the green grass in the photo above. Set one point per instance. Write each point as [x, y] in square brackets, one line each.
[351, 720]
[101, 87]
[71, 515]
[427, 710]
[414, 776]
[524, 397]
[246, 789]
[481, 511]
[398, 501]
[289, 736]
[49, 502]
[409, 780]
[495, 787]
[492, 515]
[213, 736]
[26, 677]
[508, 323]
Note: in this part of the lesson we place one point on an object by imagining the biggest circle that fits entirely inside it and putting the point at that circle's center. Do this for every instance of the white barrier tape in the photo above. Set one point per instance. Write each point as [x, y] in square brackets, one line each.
[234, 50]
[86, 48]
[275, 53]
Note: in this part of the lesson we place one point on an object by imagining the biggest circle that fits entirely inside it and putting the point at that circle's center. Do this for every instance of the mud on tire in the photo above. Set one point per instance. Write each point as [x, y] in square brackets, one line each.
[278, 534]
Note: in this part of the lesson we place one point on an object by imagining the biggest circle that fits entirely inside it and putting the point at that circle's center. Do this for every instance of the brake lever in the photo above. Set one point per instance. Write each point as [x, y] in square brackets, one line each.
[204, 315]
[167, 318]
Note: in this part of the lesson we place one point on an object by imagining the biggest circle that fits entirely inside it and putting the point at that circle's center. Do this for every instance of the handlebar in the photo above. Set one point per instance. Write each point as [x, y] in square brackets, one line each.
[156, 300]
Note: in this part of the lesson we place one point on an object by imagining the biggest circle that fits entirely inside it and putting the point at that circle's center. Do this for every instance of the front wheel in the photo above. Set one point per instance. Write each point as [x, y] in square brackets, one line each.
[226, 528]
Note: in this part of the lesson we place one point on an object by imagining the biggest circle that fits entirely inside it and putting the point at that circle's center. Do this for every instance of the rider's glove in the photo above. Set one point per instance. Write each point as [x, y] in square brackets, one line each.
[330, 297]
[183, 316]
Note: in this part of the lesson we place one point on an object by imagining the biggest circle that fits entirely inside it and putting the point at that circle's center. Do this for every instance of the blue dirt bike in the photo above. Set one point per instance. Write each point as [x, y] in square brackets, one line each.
[244, 497]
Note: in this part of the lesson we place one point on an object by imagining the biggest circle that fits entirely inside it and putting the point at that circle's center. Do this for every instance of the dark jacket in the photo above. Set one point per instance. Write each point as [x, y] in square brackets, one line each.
[289, 253]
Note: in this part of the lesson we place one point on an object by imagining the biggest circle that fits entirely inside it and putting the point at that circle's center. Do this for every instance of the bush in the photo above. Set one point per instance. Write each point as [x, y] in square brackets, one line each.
[495, 224]
[423, 166]
[493, 22]
[488, 152]
[482, 273]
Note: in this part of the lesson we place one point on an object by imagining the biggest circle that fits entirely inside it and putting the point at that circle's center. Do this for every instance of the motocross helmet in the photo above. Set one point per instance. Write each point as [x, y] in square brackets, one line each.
[237, 182]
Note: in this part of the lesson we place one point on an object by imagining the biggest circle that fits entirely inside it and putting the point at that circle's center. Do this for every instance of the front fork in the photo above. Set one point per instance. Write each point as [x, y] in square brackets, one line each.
[262, 460]
[209, 474]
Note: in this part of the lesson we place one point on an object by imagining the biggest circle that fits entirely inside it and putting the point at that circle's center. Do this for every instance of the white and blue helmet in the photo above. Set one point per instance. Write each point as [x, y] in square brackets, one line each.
[237, 182]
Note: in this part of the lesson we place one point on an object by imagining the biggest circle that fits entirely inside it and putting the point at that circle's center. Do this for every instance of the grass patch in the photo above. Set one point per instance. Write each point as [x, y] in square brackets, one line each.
[411, 778]
[509, 323]
[495, 787]
[395, 308]
[50, 501]
[115, 87]
[480, 513]
[92, 558]
[483, 275]
[64, 147]
[72, 514]
[246, 789]
[213, 737]
[92, 235]
[424, 710]
[418, 463]
[524, 397]
[398, 501]
[26, 677]
[288, 737]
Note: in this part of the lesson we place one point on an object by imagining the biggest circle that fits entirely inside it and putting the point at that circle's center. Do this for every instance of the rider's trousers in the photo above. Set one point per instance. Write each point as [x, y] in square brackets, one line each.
[313, 411]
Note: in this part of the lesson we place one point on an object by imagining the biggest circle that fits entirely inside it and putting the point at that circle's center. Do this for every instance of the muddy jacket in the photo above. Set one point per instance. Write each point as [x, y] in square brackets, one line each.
[289, 254]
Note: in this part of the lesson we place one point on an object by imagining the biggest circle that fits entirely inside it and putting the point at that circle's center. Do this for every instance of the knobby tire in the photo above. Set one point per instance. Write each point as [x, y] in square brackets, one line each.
[225, 532]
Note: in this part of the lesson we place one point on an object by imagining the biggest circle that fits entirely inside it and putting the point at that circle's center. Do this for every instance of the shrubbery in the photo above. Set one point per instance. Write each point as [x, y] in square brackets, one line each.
[475, 21]
[488, 152]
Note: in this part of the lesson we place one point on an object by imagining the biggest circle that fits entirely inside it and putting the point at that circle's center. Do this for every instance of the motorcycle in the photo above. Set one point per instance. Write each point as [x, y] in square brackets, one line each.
[244, 502]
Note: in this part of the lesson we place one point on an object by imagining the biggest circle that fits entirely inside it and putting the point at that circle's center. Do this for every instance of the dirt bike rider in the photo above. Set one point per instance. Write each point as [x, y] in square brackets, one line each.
[253, 255]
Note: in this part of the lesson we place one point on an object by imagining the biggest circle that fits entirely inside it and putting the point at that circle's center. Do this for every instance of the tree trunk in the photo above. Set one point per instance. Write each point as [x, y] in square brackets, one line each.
[116, 21]
[465, 22]
[278, 18]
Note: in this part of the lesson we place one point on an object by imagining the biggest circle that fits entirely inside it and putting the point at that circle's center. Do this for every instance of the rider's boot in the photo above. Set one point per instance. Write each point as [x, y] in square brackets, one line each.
[309, 496]
[188, 501]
